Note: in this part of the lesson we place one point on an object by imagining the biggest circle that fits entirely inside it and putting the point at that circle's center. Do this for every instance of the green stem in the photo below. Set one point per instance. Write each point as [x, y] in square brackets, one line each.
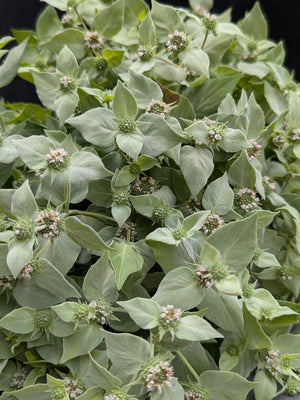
[80, 19]
[43, 248]
[285, 184]
[2, 124]
[33, 182]
[67, 204]
[166, 61]
[187, 253]
[204, 40]
[91, 214]
[287, 252]
[188, 365]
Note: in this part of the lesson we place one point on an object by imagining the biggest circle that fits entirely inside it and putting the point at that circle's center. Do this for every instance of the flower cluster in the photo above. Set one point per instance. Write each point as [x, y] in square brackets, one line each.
[49, 224]
[157, 107]
[42, 319]
[253, 151]
[81, 312]
[285, 273]
[158, 376]
[6, 282]
[179, 232]
[123, 230]
[293, 386]
[203, 276]
[246, 199]
[145, 185]
[102, 64]
[57, 159]
[199, 10]
[278, 140]
[144, 53]
[3, 224]
[218, 271]
[27, 271]
[273, 363]
[102, 311]
[212, 223]
[66, 84]
[120, 198]
[193, 205]
[67, 20]
[19, 378]
[23, 229]
[170, 316]
[93, 41]
[268, 184]
[294, 136]
[209, 22]
[116, 394]
[196, 392]
[73, 387]
[126, 125]
[177, 41]
[159, 214]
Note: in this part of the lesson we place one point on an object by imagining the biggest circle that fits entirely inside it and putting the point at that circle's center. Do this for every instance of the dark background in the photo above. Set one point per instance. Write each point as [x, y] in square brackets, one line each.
[282, 16]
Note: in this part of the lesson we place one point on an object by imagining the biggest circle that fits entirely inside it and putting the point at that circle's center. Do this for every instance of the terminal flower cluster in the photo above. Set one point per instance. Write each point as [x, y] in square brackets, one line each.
[273, 363]
[49, 224]
[19, 379]
[170, 316]
[159, 376]
[246, 199]
[177, 41]
[66, 84]
[57, 159]
[73, 387]
[253, 151]
[6, 282]
[128, 226]
[145, 185]
[212, 223]
[157, 107]
[93, 41]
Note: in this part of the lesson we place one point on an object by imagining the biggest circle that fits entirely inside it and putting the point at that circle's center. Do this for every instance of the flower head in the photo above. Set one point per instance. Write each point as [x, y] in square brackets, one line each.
[212, 223]
[157, 376]
[157, 107]
[19, 378]
[67, 20]
[246, 199]
[145, 185]
[144, 53]
[177, 41]
[170, 316]
[23, 229]
[27, 271]
[6, 282]
[272, 363]
[57, 159]
[202, 275]
[209, 22]
[49, 224]
[93, 40]
[268, 184]
[66, 84]
[122, 231]
[196, 392]
[73, 387]
[294, 136]
[253, 151]
[116, 394]
[103, 311]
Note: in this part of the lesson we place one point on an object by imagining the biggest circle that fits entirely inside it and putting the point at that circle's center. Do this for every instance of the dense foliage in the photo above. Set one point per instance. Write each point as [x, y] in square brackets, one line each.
[149, 230]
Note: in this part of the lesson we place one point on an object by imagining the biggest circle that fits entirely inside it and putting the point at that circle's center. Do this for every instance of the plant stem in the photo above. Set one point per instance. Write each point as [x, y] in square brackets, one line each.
[187, 253]
[204, 40]
[188, 365]
[166, 61]
[43, 248]
[67, 204]
[80, 19]
[285, 184]
[91, 214]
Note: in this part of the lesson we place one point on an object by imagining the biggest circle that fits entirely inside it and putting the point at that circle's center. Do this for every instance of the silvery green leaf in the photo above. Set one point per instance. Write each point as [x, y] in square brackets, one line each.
[254, 24]
[229, 285]
[20, 252]
[194, 328]
[20, 320]
[99, 282]
[144, 89]
[257, 68]
[125, 260]
[47, 84]
[174, 391]
[73, 38]
[9, 68]
[166, 20]
[124, 103]
[60, 4]
[84, 235]
[66, 63]
[225, 385]
[108, 22]
[32, 151]
[196, 165]
[128, 351]
[48, 23]
[65, 104]
[147, 36]
[218, 196]
[144, 312]
[162, 235]
[84, 340]
[23, 204]
[241, 172]
[84, 167]
[180, 288]
[195, 59]
[266, 388]
[120, 213]
[8, 152]
[130, 143]
[236, 242]
[276, 99]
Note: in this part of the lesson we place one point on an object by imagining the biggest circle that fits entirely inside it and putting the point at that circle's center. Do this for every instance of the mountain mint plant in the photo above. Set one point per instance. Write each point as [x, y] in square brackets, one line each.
[149, 207]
